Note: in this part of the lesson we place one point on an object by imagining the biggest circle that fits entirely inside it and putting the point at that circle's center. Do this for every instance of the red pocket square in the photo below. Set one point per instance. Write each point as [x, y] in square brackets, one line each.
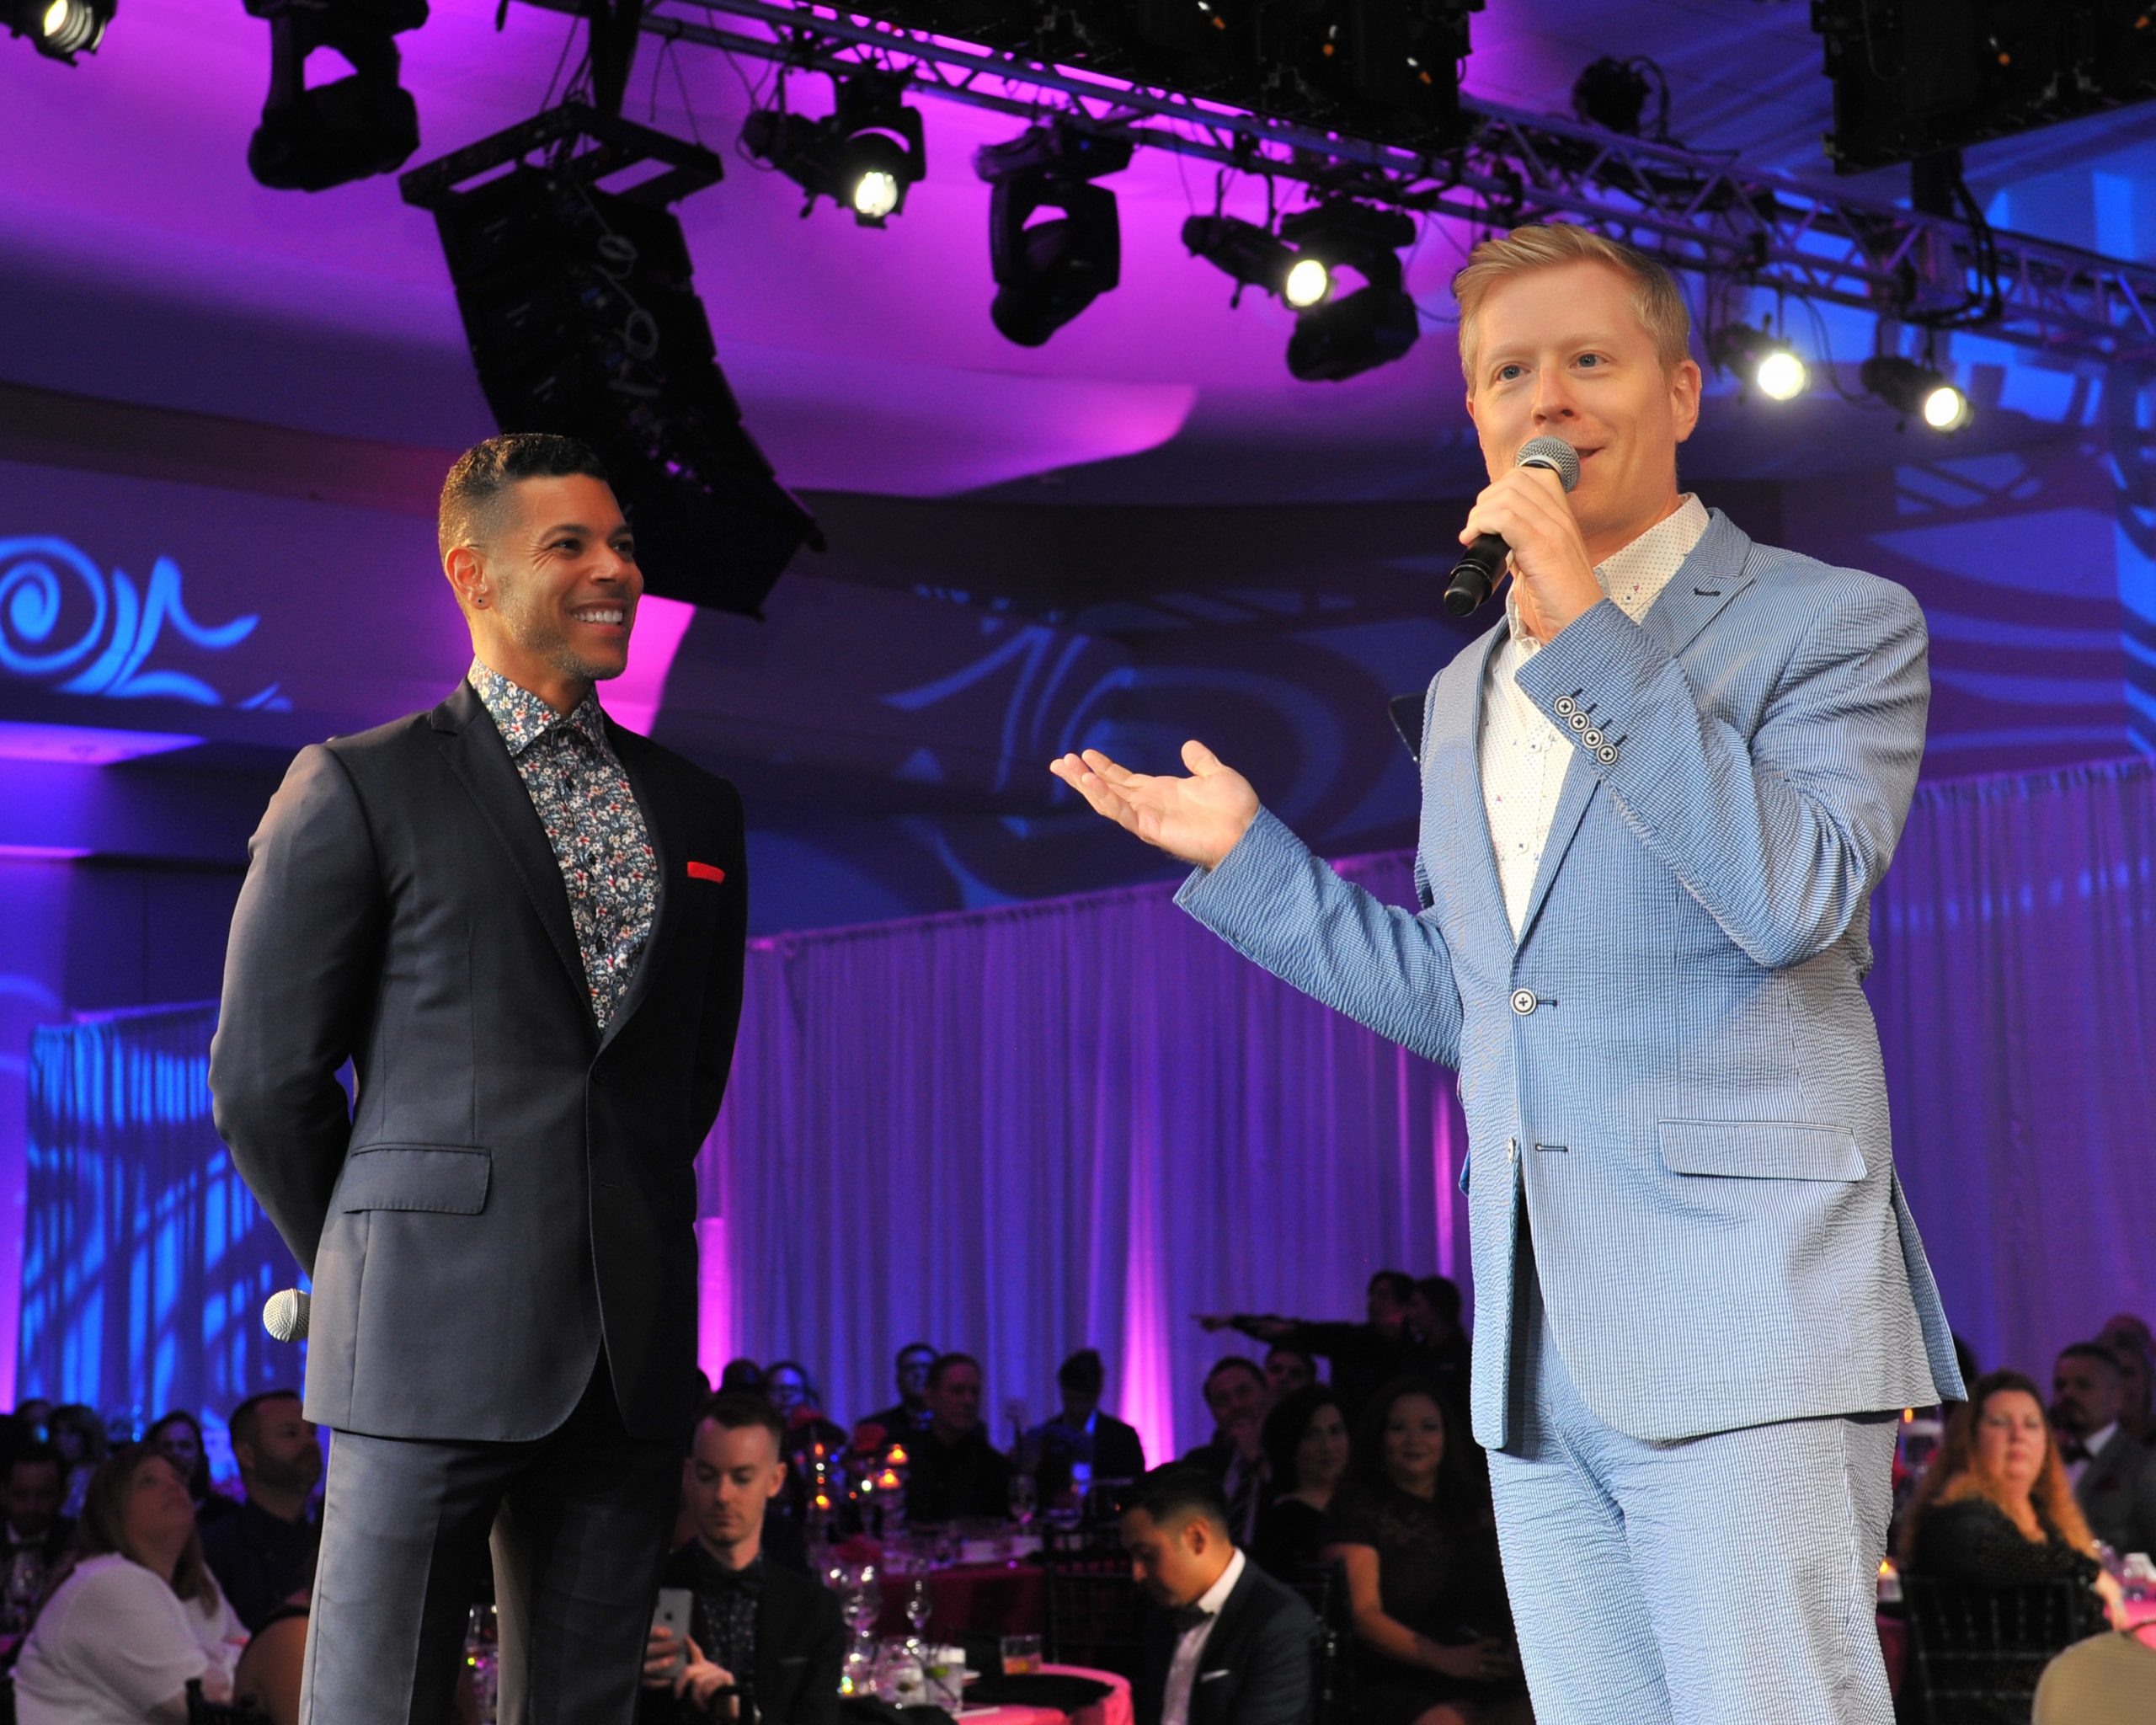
[704, 870]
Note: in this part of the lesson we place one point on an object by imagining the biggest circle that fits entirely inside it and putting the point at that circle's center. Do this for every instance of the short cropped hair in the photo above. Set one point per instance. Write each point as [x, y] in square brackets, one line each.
[2104, 1356]
[738, 1410]
[487, 470]
[1397, 1282]
[1443, 1295]
[946, 1362]
[1178, 1493]
[1233, 1362]
[246, 1424]
[1083, 1374]
[1542, 245]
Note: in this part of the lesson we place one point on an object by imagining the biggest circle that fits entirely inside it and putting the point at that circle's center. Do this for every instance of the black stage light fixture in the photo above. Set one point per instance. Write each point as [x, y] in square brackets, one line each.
[1612, 94]
[1917, 391]
[1387, 70]
[1256, 257]
[582, 313]
[367, 123]
[1914, 77]
[865, 157]
[1759, 361]
[1047, 271]
[1341, 335]
[60, 30]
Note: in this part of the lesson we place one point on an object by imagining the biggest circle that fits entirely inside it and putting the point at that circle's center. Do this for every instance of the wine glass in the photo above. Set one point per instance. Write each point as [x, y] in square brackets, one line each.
[1025, 1499]
[920, 1606]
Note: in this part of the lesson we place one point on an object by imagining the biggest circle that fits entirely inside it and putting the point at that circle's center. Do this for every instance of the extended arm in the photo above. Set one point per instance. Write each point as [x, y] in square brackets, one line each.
[300, 972]
[1780, 835]
[1387, 1635]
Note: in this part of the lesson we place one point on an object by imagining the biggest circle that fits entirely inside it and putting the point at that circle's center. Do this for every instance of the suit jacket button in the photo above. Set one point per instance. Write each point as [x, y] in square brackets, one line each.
[1524, 1001]
[1564, 707]
[1578, 721]
[1606, 755]
[1591, 737]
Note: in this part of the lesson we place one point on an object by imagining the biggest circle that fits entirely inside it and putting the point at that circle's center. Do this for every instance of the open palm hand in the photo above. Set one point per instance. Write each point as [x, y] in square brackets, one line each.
[1197, 820]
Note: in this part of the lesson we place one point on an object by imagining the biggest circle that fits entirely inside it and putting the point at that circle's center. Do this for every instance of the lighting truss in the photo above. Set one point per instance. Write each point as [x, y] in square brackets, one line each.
[1697, 212]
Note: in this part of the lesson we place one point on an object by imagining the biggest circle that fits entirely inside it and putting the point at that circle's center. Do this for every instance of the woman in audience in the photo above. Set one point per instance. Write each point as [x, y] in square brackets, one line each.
[1413, 1528]
[139, 1615]
[1995, 1508]
[78, 1434]
[178, 1437]
[1306, 1439]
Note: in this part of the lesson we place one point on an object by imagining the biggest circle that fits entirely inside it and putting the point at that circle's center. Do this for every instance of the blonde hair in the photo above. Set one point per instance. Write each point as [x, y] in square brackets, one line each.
[1544, 244]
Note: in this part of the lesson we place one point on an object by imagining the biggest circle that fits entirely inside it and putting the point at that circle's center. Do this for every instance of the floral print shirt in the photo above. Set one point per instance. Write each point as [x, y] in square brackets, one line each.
[581, 794]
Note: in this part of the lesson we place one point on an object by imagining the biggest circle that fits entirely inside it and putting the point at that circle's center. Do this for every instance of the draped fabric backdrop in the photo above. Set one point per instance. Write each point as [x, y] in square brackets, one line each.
[1023, 1130]
[145, 1258]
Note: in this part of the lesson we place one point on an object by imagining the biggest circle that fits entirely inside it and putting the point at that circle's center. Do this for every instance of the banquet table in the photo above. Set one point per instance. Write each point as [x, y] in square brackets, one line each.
[1894, 1636]
[1114, 1709]
[999, 1599]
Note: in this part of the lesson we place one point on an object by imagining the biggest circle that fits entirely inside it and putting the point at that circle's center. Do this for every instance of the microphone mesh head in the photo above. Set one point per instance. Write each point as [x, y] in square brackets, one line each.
[285, 1316]
[1553, 453]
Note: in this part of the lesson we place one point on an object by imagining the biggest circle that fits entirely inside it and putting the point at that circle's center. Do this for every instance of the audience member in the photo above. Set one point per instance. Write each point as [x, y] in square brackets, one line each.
[1229, 1645]
[2114, 1478]
[954, 1471]
[2127, 1336]
[78, 1434]
[741, 1376]
[38, 1535]
[789, 1389]
[1440, 1345]
[1237, 1398]
[34, 1416]
[1288, 1370]
[1413, 1528]
[1363, 1355]
[263, 1556]
[1081, 1443]
[1995, 1508]
[178, 1437]
[910, 1415]
[1306, 1452]
[758, 1633]
[138, 1617]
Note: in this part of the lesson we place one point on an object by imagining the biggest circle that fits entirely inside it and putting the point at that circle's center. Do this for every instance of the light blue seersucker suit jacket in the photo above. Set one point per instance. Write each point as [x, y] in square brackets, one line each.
[1674, 1067]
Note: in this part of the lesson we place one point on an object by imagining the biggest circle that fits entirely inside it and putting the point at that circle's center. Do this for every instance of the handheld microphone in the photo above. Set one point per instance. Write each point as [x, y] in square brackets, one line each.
[1476, 572]
[286, 1315]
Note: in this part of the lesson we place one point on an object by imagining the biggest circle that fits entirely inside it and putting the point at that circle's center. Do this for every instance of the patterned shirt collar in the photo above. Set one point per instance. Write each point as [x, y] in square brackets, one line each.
[1634, 575]
[522, 718]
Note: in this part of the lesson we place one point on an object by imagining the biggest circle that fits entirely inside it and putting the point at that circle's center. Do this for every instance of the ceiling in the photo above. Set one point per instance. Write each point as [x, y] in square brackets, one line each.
[149, 267]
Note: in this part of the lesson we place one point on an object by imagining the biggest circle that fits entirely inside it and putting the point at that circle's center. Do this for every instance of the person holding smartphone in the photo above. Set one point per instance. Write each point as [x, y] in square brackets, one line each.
[761, 1643]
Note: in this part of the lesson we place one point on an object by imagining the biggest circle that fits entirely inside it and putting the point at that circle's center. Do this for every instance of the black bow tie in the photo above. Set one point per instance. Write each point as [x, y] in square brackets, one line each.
[1185, 1618]
[715, 1578]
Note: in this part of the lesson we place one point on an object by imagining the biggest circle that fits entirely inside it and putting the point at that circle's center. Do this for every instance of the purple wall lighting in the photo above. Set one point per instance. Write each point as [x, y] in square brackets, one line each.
[84, 745]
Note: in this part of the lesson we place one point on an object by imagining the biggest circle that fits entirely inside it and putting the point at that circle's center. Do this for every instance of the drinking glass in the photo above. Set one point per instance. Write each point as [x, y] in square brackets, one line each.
[1025, 1499]
[920, 1606]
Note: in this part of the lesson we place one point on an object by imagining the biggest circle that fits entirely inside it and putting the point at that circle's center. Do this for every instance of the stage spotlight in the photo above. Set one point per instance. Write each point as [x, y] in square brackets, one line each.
[1256, 258]
[865, 157]
[1048, 271]
[60, 30]
[1759, 361]
[313, 139]
[1917, 391]
[1339, 335]
[1613, 94]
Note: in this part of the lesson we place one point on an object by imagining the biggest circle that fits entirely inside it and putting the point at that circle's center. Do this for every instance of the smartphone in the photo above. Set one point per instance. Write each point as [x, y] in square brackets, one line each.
[673, 1614]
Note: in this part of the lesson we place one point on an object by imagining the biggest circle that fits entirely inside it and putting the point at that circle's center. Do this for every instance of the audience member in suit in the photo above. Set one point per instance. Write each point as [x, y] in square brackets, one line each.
[1237, 1396]
[1363, 1355]
[774, 1637]
[1437, 1342]
[2114, 1478]
[909, 1415]
[955, 1472]
[1288, 1370]
[37, 1534]
[1081, 1435]
[1306, 1451]
[1413, 1528]
[178, 1437]
[2129, 1337]
[263, 1556]
[1229, 1645]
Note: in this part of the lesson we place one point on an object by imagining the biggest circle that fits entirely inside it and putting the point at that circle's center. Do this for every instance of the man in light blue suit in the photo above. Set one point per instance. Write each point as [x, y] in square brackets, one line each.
[1656, 799]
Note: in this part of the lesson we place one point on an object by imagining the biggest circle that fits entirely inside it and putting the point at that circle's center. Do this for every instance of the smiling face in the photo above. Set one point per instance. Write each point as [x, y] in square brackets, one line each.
[2012, 1440]
[1321, 1456]
[1561, 352]
[1414, 1443]
[551, 593]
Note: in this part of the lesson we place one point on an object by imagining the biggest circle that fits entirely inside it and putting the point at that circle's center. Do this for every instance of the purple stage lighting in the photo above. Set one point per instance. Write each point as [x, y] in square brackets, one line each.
[84, 745]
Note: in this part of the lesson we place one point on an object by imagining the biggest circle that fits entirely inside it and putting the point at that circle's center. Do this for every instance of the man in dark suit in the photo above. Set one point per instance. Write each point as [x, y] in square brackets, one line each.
[1083, 1443]
[909, 1416]
[955, 1472]
[523, 927]
[1238, 1397]
[1230, 1645]
[773, 1637]
[2114, 1478]
[264, 1553]
[36, 1535]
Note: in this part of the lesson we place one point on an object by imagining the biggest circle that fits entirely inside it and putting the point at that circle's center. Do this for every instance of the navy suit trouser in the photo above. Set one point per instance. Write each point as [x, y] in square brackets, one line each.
[578, 1523]
[1727, 1579]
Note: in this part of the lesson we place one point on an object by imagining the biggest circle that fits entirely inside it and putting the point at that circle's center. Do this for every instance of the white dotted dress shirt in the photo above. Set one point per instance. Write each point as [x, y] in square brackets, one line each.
[1523, 755]
[1190, 1646]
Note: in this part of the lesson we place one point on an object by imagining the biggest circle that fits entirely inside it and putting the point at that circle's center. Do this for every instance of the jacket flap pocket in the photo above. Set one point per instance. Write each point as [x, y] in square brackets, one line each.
[1761, 1150]
[451, 1178]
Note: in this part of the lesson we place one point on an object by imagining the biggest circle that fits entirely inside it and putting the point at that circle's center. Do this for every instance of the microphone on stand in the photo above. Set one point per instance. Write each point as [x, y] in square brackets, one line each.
[285, 1316]
[1479, 571]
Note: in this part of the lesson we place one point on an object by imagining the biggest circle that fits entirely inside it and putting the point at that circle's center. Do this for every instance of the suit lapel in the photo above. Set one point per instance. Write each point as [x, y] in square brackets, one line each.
[476, 754]
[661, 800]
[1708, 578]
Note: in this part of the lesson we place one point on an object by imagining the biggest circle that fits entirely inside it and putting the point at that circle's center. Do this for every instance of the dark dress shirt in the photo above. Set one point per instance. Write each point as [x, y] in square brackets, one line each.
[779, 1634]
[945, 1481]
[260, 1560]
[1110, 1449]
